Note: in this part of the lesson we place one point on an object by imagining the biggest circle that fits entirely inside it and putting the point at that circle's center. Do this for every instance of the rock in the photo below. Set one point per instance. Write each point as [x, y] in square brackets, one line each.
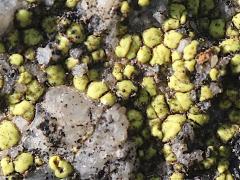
[68, 120]
[101, 13]
[44, 55]
[7, 10]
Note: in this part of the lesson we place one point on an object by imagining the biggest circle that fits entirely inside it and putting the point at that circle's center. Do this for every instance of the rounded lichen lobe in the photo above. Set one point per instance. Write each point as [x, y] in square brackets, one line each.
[60, 167]
[9, 135]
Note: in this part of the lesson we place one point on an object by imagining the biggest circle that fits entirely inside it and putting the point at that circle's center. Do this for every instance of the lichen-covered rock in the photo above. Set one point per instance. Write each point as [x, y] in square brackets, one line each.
[101, 13]
[104, 144]
[68, 120]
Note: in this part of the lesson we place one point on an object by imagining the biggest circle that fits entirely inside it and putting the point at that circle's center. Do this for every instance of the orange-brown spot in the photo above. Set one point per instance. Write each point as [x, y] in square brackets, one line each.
[204, 56]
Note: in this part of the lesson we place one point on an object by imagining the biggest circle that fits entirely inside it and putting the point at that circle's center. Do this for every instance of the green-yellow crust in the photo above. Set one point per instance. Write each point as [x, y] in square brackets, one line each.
[226, 132]
[176, 55]
[30, 54]
[86, 60]
[172, 125]
[24, 17]
[49, 24]
[170, 24]
[32, 37]
[97, 89]
[193, 6]
[235, 63]
[60, 167]
[55, 75]
[98, 55]
[128, 47]
[34, 91]
[24, 109]
[172, 39]
[23, 162]
[214, 74]
[159, 107]
[190, 65]
[180, 85]
[150, 111]
[76, 33]
[161, 55]
[184, 100]
[144, 3]
[149, 84]
[135, 118]
[38, 161]
[129, 71]
[9, 135]
[190, 50]
[234, 116]
[108, 99]
[7, 166]
[231, 31]
[25, 78]
[178, 11]
[177, 176]
[117, 71]
[71, 62]
[80, 82]
[227, 175]
[236, 20]
[155, 125]
[205, 93]
[93, 42]
[217, 28]
[125, 7]
[209, 162]
[152, 37]
[15, 98]
[224, 151]
[135, 45]
[144, 54]
[16, 59]
[230, 45]
[71, 3]
[179, 81]
[168, 154]
[142, 99]
[125, 88]
[63, 43]
[124, 46]
[196, 116]
[222, 166]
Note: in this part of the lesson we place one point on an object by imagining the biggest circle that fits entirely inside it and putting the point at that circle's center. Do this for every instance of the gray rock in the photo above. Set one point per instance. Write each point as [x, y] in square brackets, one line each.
[7, 10]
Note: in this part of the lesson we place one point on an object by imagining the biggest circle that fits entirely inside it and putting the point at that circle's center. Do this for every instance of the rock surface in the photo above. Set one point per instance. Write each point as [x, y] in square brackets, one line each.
[7, 9]
[68, 120]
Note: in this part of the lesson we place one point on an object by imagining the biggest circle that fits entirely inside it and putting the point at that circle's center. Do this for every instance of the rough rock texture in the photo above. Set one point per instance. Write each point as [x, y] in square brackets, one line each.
[7, 9]
[8, 73]
[101, 13]
[181, 149]
[154, 15]
[67, 119]
[105, 144]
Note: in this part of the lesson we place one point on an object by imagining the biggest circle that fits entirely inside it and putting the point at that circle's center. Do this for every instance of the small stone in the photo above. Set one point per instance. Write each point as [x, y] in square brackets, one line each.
[44, 55]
